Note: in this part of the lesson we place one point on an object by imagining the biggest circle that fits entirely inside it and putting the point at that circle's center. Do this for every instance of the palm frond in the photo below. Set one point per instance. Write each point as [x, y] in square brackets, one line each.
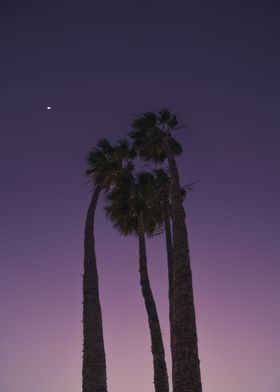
[105, 161]
[149, 133]
[131, 196]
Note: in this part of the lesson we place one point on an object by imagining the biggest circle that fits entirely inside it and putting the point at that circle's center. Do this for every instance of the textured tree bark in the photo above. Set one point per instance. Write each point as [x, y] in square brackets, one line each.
[169, 251]
[186, 365]
[160, 370]
[94, 362]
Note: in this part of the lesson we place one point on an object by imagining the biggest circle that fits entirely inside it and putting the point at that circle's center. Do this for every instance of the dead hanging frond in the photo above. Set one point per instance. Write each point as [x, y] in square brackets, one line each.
[158, 231]
[189, 187]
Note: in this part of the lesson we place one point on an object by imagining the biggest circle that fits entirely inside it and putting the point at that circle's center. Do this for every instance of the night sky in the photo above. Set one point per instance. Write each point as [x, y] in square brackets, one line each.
[216, 65]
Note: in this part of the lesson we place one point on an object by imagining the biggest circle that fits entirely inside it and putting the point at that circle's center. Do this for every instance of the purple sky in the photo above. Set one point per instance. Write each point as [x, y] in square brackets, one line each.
[215, 65]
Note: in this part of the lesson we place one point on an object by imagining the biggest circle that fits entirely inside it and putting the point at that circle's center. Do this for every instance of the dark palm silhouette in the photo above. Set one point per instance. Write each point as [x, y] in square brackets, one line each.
[127, 206]
[161, 202]
[104, 162]
[153, 139]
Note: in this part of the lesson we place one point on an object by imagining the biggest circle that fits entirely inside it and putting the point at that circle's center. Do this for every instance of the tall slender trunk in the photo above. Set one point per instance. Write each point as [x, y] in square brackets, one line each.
[169, 251]
[186, 366]
[94, 363]
[160, 370]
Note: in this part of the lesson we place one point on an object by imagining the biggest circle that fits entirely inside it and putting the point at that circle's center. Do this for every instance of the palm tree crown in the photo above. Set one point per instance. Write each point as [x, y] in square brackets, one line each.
[150, 133]
[130, 197]
[105, 161]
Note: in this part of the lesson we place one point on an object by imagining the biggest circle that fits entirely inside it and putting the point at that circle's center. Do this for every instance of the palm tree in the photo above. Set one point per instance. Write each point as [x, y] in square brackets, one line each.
[128, 208]
[104, 162]
[153, 140]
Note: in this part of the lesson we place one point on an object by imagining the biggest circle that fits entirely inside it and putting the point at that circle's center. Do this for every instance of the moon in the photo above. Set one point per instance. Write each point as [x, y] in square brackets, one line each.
[48, 107]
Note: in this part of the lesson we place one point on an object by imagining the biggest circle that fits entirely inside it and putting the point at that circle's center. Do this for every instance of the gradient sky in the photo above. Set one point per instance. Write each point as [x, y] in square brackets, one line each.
[216, 65]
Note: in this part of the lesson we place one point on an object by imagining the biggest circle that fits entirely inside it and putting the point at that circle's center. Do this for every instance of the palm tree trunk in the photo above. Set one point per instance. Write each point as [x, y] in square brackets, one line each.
[160, 370]
[94, 364]
[169, 251]
[186, 365]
